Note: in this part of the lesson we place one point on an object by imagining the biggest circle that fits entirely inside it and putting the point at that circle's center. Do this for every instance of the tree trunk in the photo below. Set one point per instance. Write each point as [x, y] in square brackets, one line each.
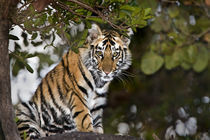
[7, 123]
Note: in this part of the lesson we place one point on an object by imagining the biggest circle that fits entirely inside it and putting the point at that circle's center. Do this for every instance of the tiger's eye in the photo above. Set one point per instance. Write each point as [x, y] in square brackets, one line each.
[99, 53]
[115, 54]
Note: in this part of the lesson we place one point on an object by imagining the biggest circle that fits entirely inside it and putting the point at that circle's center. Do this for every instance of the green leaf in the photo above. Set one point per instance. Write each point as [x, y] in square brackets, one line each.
[173, 12]
[36, 43]
[16, 119]
[201, 60]
[166, 47]
[147, 11]
[151, 62]
[13, 37]
[17, 47]
[17, 65]
[34, 36]
[185, 65]
[128, 8]
[96, 19]
[169, 62]
[192, 53]
[174, 60]
[181, 24]
[83, 38]
[28, 67]
[20, 63]
[24, 135]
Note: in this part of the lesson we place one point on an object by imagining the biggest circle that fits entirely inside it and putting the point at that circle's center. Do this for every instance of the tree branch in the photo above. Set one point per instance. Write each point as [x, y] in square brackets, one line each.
[83, 5]
[68, 9]
[88, 136]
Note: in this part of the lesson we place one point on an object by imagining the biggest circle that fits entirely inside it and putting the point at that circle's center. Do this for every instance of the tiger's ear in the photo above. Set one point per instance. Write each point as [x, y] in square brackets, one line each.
[94, 32]
[127, 40]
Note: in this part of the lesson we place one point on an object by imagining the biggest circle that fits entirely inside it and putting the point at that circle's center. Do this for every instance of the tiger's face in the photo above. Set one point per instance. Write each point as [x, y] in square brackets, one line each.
[108, 53]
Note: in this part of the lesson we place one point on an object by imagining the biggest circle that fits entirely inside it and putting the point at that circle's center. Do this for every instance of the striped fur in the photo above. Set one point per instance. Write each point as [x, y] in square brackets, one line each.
[72, 96]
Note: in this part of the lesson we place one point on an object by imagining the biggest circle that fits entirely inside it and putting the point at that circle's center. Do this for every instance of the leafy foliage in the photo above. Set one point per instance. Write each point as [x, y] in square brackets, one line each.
[61, 17]
[180, 31]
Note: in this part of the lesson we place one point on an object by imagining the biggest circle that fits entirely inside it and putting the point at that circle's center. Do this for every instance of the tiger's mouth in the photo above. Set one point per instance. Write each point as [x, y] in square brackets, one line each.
[107, 78]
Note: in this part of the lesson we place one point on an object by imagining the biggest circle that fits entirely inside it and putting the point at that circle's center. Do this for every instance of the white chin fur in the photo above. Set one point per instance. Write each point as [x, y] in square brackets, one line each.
[107, 79]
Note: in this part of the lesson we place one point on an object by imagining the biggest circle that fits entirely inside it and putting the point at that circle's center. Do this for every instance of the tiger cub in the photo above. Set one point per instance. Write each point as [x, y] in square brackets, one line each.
[71, 97]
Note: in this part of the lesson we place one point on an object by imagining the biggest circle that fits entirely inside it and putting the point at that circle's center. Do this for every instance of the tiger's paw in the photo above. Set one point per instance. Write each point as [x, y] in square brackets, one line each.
[99, 130]
[86, 128]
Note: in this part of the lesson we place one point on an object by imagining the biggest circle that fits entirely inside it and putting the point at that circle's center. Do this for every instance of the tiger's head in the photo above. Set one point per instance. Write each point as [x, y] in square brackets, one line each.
[107, 54]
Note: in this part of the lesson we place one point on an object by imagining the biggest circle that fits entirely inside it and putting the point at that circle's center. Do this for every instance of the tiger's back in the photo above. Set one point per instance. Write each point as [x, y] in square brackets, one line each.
[72, 96]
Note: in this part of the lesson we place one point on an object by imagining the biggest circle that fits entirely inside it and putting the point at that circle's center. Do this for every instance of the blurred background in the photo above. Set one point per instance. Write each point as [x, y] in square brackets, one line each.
[166, 91]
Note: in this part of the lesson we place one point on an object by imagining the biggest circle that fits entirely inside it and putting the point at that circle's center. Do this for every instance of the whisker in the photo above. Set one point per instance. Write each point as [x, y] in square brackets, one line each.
[121, 80]
[129, 74]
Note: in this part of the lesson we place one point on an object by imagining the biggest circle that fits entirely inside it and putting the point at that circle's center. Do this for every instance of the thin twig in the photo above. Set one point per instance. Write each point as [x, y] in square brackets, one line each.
[81, 4]
[194, 38]
[68, 9]
[169, 1]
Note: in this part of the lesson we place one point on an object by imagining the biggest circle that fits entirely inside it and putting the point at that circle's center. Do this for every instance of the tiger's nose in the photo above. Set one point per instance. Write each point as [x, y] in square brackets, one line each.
[107, 72]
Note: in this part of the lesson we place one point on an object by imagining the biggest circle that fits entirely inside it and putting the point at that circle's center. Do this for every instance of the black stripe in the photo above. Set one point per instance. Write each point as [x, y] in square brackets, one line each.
[31, 104]
[111, 42]
[64, 80]
[65, 83]
[36, 107]
[45, 115]
[71, 108]
[59, 91]
[77, 113]
[96, 119]
[57, 120]
[80, 99]
[70, 102]
[83, 90]
[97, 125]
[100, 95]
[68, 127]
[84, 119]
[52, 96]
[23, 128]
[43, 101]
[30, 111]
[33, 130]
[54, 115]
[89, 125]
[58, 86]
[97, 108]
[53, 129]
[51, 75]
[84, 76]
[67, 67]
[22, 121]
[105, 41]
[62, 62]
[75, 82]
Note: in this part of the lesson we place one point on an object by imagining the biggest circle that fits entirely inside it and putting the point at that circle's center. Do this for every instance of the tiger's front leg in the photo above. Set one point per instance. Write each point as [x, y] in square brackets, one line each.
[80, 113]
[97, 121]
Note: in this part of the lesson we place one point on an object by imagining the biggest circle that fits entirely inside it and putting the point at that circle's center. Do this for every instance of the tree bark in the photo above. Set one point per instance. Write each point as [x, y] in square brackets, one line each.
[7, 123]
